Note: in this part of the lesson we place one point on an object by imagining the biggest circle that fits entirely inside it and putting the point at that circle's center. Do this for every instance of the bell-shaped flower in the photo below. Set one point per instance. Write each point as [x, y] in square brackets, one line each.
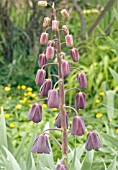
[44, 38]
[42, 60]
[61, 167]
[42, 3]
[65, 29]
[74, 54]
[81, 100]
[35, 113]
[69, 40]
[78, 126]
[57, 122]
[93, 141]
[49, 53]
[46, 21]
[64, 13]
[53, 99]
[82, 80]
[41, 144]
[46, 86]
[55, 25]
[51, 43]
[40, 77]
[65, 67]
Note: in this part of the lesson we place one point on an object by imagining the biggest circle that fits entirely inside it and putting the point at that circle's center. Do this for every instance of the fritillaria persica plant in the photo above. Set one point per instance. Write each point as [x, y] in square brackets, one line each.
[56, 98]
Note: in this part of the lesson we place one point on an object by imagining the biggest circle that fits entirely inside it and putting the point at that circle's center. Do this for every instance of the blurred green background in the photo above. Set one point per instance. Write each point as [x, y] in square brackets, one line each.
[94, 25]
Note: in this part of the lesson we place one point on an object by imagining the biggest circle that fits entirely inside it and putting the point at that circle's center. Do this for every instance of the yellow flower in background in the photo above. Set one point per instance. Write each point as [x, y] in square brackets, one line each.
[23, 87]
[18, 87]
[99, 115]
[7, 115]
[70, 122]
[24, 100]
[97, 101]
[117, 130]
[44, 106]
[56, 115]
[9, 85]
[29, 93]
[33, 95]
[30, 105]
[10, 97]
[54, 109]
[7, 89]
[18, 106]
[25, 94]
[36, 98]
[11, 125]
[101, 93]
[29, 89]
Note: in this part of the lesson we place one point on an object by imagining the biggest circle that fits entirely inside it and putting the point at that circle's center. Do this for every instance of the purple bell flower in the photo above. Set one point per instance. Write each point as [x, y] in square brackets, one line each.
[78, 126]
[65, 67]
[69, 40]
[58, 120]
[44, 38]
[46, 86]
[40, 77]
[93, 141]
[81, 100]
[41, 145]
[53, 99]
[35, 113]
[42, 60]
[74, 54]
[61, 167]
[82, 80]
[50, 53]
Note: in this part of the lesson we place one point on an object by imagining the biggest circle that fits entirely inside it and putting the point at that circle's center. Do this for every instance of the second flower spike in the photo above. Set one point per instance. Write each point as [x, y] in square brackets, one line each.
[53, 99]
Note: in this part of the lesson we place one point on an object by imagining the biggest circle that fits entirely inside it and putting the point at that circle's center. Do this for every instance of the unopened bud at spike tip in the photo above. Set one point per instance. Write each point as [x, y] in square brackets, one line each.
[64, 13]
[35, 113]
[46, 86]
[41, 145]
[69, 40]
[46, 21]
[40, 77]
[78, 127]
[55, 25]
[74, 54]
[53, 99]
[44, 38]
[42, 3]
[49, 53]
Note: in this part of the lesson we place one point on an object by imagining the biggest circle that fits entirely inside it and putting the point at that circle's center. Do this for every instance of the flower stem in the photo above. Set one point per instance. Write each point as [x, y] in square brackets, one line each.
[72, 109]
[75, 88]
[52, 129]
[62, 102]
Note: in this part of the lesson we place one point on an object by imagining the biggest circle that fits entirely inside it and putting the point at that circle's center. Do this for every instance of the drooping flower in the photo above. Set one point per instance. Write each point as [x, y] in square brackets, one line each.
[69, 40]
[64, 13]
[82, 80]
[61, 167]
[46, 86]
[41, 144]
[51, 43]
[35, 113]
[93, 141]
[58, 120]
[42, 60]
[78, 126]
[40, 77]
[46, 21]
[65, 67]
[42, 3]
[53, 99]
[55, 25]
[65, 29]
[81, 100]
[44, 38]
[49, 53]
[74, 54]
